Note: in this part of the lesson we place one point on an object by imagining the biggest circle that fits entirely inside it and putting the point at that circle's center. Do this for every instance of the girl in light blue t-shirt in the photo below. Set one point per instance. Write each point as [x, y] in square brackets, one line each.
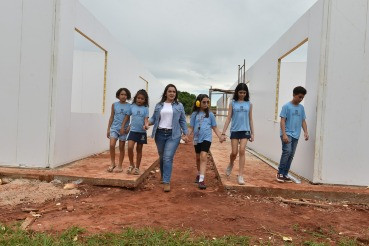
[118, 112]
[201, 124]
[139, 115]
[242, 128]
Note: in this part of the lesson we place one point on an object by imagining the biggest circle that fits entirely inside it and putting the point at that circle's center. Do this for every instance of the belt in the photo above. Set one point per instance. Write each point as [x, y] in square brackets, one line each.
[165, 129]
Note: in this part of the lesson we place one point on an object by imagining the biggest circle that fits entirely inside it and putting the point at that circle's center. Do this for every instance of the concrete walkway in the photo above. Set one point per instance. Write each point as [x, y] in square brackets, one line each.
[260, 180]
[92, 170]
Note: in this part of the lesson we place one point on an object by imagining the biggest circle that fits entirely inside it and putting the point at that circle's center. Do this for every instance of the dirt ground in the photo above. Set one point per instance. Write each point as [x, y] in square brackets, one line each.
[212, 212]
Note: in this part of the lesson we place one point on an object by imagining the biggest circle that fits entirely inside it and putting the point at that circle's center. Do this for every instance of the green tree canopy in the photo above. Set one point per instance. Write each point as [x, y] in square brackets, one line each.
[187, 100]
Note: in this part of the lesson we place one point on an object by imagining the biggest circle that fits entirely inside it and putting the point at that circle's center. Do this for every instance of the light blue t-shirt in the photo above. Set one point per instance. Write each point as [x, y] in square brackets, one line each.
[240, 116]
[202, 126]
[120, 111]
[138, 115]
[294, 115]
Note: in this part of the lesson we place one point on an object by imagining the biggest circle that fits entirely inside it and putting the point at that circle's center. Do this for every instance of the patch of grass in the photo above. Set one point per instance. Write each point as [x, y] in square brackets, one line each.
[74, 237]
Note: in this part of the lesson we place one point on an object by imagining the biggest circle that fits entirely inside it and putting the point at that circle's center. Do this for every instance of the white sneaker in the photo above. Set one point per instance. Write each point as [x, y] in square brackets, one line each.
[240, 180]
[229, 170]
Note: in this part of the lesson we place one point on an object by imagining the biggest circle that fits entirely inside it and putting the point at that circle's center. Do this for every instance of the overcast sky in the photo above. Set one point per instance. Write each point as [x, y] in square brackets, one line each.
[197, 43]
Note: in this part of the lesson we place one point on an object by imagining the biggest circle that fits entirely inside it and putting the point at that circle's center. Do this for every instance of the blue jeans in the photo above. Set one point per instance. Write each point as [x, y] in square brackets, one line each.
[166, 148]
[288, 152]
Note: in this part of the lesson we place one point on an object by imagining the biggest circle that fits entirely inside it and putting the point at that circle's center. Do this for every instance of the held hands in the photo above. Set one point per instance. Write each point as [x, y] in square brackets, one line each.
[306, 136]
[146, 127]
[222, 138]
[185, 138]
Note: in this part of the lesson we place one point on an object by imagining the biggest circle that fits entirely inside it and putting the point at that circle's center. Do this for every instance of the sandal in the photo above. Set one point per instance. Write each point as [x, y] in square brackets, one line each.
[111, 168]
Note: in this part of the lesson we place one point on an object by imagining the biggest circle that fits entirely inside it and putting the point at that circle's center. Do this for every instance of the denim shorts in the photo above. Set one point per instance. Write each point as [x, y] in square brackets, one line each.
[115, 134]
[138, 137]
[203, 146]
[240, 135]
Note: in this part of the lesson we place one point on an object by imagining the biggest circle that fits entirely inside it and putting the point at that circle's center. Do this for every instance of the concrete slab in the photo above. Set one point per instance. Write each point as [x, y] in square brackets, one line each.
[92, 170]
[260, 180]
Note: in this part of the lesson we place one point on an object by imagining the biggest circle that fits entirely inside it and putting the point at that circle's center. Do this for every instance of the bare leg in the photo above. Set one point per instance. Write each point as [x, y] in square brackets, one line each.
[131, 145]
[113, 142]
[243, 143]
[203, 161]
[198, 162]
[233, 155]
[139, 155]
[121, 155]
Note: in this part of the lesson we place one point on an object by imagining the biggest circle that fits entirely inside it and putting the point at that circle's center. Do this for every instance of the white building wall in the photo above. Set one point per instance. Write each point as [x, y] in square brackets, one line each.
[345, 131]
[36, 83]
[263, 78]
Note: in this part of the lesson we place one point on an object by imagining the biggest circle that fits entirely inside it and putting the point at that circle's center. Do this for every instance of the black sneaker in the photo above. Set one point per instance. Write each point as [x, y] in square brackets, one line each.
[280, 178]
[197, 179]
[287, 179]
[202, 185]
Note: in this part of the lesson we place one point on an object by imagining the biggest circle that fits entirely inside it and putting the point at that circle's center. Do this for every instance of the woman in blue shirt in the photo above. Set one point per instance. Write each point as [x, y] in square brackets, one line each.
[169, 122]
[242, 128]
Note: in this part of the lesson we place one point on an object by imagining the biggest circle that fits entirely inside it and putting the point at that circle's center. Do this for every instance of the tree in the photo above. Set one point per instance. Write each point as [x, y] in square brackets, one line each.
[187, 100]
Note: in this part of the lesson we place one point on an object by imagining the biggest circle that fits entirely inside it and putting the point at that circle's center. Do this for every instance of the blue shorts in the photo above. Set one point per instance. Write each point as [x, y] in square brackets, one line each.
[138, 137]
[114, 133]
[240, 135]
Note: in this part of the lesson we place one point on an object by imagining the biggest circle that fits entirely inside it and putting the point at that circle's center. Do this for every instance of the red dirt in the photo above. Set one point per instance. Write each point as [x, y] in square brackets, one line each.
[212, 212]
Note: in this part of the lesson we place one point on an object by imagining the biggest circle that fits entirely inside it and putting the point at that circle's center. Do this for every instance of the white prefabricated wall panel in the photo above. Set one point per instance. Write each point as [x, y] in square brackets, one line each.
[88, 81]
[78, 135]
[30, 57]
[345, 132]
[263, 78]
[10, 26]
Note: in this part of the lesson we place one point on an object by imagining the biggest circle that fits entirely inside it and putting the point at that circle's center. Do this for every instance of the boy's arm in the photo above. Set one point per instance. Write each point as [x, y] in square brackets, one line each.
[304, 127]
[110, 121]
[283, 129]
[229, 117]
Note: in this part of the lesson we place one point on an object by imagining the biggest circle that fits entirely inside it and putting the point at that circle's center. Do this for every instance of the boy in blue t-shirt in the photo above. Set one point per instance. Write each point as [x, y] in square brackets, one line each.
[292, 119]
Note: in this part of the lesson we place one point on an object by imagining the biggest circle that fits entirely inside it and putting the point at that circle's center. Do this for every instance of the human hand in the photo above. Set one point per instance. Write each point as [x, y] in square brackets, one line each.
[252, 138]
[185, 138]
[306, 136]
[108, 133]
[285, 139]
[146, 127]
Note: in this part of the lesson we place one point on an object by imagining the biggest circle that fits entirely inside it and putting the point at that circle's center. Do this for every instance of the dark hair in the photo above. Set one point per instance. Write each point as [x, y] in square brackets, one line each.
[299, 90]
[164, 96]
[241, 87]
[197, 109]
[123, 89]
[144, 94]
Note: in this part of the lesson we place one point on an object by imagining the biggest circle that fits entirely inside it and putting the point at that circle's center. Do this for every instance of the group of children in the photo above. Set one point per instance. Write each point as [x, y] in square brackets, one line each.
[129, 122]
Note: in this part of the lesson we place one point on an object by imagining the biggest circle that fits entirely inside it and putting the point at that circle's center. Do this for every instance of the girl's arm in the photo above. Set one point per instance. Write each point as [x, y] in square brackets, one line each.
[190, 130]
[304, 127]
[122, 130]
[229, 117]
[217, 132]
[146, 126]
[251, 124]
[110, 120]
